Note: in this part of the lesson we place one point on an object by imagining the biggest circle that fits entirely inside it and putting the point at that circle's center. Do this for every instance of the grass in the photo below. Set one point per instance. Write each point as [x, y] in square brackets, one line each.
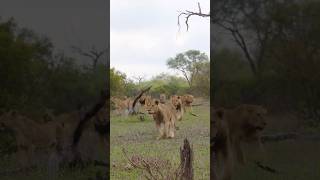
[139, 137]
[8, 163]
[294, 159]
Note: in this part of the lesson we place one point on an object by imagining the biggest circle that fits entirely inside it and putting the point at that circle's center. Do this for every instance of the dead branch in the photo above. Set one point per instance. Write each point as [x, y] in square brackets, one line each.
[83, 121]
[152, 170]
[194, 114]
[188, 14]
[266, 168]
[289, 136]
[197, 104]
[186, 158]
[138, 97]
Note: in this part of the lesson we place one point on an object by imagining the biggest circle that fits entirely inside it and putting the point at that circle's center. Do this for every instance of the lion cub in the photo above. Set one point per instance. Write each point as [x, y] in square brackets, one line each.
[164, 119]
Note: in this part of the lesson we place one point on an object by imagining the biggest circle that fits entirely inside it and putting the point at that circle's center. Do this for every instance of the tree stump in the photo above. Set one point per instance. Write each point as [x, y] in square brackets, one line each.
[186, 157]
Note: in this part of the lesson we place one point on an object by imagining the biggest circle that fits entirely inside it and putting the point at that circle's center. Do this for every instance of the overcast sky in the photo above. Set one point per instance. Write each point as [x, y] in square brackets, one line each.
[144, 34]
[67, 23]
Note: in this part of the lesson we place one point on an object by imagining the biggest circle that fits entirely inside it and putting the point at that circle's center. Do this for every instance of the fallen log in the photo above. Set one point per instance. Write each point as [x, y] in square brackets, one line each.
[131, 112]
[289, 136]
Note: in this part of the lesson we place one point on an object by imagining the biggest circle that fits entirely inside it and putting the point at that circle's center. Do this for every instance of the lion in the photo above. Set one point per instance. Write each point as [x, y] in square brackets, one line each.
[163, 98]
[221, 150]
[187, 101]
[122, 105]
[145, 100]
[233, 128]
[246, 123]
[177, 106]
[93, 134]
[90, 135]
[32, 138]
[164, 119]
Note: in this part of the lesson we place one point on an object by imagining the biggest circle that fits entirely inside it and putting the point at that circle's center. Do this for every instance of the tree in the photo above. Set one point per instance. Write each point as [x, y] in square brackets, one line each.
[295, 54]
[188, 63]
[93, 54]
[117, 82]
[248, 22]
[202, 80]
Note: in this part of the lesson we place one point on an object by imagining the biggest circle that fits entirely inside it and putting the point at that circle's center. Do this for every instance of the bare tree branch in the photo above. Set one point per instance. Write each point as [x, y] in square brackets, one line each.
[188, 14]
[93, 54]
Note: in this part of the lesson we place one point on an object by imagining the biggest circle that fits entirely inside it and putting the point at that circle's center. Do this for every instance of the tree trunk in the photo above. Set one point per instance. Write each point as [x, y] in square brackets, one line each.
[186, 155]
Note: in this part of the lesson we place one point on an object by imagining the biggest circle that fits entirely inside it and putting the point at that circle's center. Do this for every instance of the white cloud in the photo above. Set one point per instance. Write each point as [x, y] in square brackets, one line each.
[144, 34]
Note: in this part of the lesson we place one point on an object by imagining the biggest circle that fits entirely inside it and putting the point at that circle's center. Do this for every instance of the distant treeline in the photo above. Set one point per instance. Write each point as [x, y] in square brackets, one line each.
[193, 65]
[34, 79]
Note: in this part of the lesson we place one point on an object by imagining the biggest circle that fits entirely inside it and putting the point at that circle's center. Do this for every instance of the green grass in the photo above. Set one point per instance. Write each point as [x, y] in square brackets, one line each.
[139, 137]
[8, 164]
[295, 160]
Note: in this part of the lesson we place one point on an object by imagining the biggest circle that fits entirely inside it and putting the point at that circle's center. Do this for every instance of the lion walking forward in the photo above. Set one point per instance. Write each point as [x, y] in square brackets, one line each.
[164, 119]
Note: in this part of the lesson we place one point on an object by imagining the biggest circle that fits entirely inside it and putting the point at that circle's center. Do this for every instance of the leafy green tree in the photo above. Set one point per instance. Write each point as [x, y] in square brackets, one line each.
[117, 82]
[188, 63]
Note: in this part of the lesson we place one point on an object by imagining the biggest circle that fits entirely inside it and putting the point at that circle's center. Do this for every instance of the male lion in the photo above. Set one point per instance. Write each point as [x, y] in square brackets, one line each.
[232, 128]
[164, 119]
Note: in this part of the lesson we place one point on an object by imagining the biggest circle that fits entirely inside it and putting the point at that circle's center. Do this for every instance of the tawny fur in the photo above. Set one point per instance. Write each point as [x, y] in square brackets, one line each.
[164, 119]
[232, 128]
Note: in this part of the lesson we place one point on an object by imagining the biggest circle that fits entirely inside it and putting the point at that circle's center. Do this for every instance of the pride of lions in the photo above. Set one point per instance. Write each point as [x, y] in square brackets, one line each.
[164, 112]
[230, 129]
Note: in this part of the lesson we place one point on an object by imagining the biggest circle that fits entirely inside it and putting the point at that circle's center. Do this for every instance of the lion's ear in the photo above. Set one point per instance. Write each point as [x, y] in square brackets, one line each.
[157, 102]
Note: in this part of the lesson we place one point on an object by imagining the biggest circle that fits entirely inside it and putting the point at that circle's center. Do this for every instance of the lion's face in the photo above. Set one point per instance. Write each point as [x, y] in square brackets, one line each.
[163, 98]
[153, 108]
[254, 116]
[176, 102]
[188, 98]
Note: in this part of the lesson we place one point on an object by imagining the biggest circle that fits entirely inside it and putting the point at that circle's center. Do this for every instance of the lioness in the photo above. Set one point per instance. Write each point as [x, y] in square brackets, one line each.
[187, 101]
[221, 150]
[163, 98]
[233, 127]
[177, 106]
[122, 105]
[32, 139]
[164, 119]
